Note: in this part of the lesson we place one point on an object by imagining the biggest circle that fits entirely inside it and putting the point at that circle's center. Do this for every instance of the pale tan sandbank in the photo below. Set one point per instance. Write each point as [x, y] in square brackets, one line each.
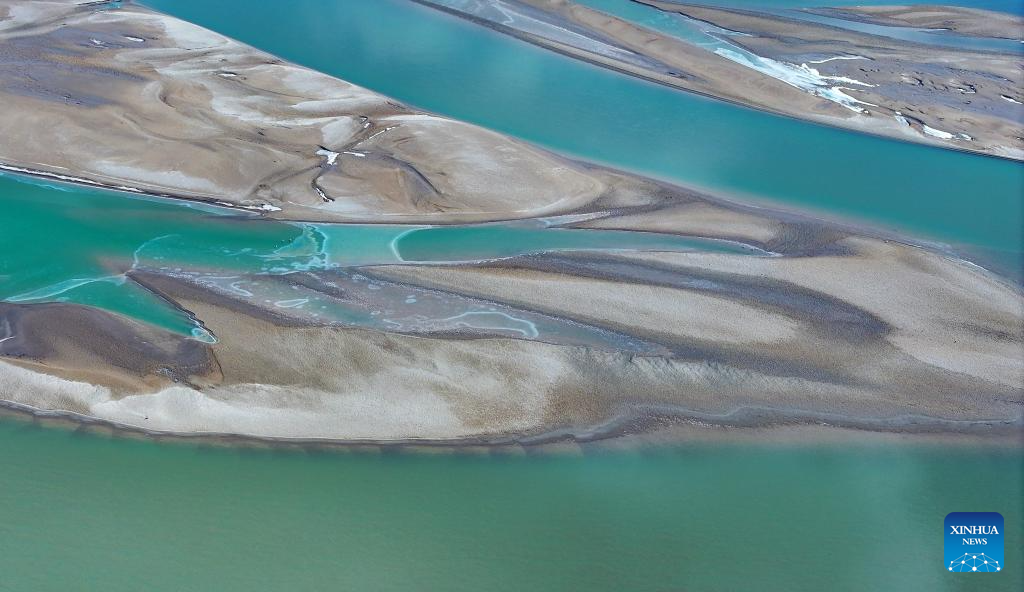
[965, 21]
[652, 433]
[618, 44]
[839, 328]
[132, 98]
[903, 87]
[858, 332]
[959, 98]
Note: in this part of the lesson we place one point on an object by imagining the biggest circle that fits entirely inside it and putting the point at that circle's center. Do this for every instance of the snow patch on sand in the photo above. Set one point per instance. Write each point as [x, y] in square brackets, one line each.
[841, 57]
[330, 155]
[803, 77]
[936, 133]
[69, 178]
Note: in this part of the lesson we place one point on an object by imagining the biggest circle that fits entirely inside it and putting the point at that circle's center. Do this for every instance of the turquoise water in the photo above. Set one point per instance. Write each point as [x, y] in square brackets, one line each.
[441, 63]
[104, 234]
[925, 36]
[82, 512]
[682, 27]
[1011, 6]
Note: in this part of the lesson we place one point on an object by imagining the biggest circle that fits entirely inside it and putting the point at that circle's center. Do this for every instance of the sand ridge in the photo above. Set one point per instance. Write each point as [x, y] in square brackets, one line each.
[951, 97]
[829, 324]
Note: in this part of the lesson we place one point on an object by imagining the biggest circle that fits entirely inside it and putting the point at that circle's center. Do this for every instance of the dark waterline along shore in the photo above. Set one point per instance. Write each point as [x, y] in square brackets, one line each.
[696, 515]
[30, 339]
[682, 419]
[560, 342]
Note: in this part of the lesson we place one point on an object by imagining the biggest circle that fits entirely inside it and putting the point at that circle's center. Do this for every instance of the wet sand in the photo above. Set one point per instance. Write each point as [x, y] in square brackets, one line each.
[838, 329]
[188, 113]
[939, 95]
[839, 326]
[964, 21]
[955, 98]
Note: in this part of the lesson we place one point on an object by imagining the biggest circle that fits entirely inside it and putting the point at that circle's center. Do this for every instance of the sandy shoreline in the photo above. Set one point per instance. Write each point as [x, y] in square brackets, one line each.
[189, 113]
[883, 107]
[655, 433]
[845, 326]
[801, 356]
[964, 21]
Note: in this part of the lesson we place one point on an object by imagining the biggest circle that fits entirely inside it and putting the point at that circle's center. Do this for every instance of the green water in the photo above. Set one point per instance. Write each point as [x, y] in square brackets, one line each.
[80, 512]
[448, 65]
[83, 512]
[693, 32]
[1011, 6]
[97, 236]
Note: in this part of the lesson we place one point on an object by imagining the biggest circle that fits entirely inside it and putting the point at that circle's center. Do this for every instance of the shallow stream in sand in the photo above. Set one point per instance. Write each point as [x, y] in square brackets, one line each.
[67, 243]
[444, 64]
[684, 28]
[86, 512]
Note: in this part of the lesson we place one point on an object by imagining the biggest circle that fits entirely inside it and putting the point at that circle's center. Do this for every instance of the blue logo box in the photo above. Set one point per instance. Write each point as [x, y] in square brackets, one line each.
[974, 542]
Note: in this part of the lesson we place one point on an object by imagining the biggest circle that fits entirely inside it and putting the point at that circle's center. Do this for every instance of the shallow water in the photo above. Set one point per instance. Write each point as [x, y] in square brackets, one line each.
[83, 512]
[444, 64]
[66, 243]
[126, 515]
[1011, 6]
[912, 34]
[681, 26]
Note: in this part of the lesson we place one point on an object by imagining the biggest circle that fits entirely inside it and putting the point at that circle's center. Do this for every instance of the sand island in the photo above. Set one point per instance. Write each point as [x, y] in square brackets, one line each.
[806, 320]
[962, 97]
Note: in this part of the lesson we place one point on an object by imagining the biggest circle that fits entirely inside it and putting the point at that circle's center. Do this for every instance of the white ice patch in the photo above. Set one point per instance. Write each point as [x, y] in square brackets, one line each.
[331, 156]
[323, 196]
[389, 128]
[68, 178]
[834, 58]
[936, 133]
[1011, 100]
[802, 77]
[359, 154]
[135, 39]
[259, 208]
[931, 131]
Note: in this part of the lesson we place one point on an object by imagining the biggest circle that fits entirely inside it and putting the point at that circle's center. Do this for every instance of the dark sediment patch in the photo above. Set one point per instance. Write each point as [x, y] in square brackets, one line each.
[72, 339]
[827, 314]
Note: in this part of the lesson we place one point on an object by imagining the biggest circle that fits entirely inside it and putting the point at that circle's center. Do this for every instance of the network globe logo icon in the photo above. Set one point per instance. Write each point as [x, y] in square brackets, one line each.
[973, 542]
[974, 562]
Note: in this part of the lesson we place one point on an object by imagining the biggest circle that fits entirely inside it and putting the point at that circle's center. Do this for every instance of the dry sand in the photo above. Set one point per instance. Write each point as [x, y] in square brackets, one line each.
[839, 327]
[189, 113]
[965, 21]
[929, 94]
[857, 332]
[969, 100]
